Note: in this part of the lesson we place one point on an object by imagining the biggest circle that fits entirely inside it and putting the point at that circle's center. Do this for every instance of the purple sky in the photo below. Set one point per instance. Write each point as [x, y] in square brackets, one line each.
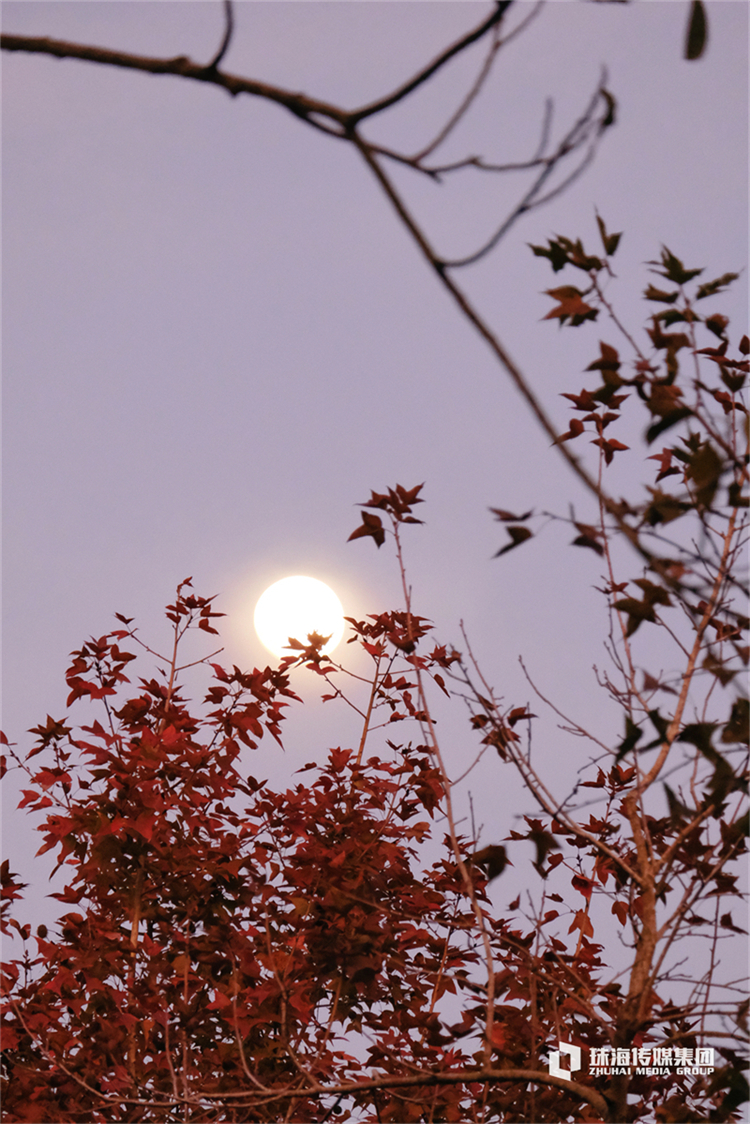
[217, 339]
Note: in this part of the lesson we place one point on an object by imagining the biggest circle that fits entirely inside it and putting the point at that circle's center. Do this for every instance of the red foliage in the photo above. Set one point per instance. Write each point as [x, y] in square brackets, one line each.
[233, 952]
[236, 952]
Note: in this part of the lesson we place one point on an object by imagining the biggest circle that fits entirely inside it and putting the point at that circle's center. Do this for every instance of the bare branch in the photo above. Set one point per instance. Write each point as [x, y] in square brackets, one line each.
[432, 68]
[339, 123]
[465, 105]
[512, 369]
[182, 67]
[224, 46]
[577, 136]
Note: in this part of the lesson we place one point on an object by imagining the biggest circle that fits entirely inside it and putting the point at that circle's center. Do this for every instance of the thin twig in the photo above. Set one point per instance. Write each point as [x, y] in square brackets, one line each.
[574, 138]
[432, 68]
[467, 102]
[224, 45]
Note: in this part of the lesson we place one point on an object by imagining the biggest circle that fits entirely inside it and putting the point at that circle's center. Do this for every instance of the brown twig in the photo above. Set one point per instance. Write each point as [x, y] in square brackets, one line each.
[432, 68]
[224, 45]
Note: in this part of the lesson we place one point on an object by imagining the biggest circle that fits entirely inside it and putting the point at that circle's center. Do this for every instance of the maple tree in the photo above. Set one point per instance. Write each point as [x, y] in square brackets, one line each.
[335, 950]
[235, 952]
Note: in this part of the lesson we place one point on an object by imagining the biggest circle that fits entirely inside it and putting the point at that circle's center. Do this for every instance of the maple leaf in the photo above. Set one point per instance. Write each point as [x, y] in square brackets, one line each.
[372, 527]
[571, 306]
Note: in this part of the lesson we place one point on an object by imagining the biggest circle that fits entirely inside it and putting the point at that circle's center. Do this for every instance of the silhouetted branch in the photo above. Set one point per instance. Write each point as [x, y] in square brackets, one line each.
[511, 368]
[180, 66]
[341, 123]
[432, 68]
[497, 43]
[467, 101]
[575, 138]
[224, 46]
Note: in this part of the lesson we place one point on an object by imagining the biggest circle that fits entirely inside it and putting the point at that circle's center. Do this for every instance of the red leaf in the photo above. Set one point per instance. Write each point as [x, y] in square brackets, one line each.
[372, 527]
[582, 921]
[441, 683]
[584, 885]
[620, 910]
[572, 306]
[576, 429]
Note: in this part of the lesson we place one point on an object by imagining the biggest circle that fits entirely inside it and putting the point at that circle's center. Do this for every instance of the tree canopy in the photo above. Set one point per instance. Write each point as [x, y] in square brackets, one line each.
[337, 949]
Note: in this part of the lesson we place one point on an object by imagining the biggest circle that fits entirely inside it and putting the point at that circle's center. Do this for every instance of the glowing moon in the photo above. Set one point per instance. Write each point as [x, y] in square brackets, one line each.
[296, 607]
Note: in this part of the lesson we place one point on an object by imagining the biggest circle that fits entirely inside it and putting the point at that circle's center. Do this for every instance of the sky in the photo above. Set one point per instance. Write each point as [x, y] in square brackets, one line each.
[217, 338]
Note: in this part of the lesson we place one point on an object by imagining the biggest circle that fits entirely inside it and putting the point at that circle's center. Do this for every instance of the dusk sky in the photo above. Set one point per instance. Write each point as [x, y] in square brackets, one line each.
[217, 338]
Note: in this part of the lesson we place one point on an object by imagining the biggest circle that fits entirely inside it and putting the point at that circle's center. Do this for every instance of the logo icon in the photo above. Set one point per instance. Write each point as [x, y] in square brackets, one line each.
[573, 1053]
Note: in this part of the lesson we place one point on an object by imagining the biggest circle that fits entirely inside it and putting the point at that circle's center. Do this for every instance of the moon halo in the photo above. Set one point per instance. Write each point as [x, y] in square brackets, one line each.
[295, 607]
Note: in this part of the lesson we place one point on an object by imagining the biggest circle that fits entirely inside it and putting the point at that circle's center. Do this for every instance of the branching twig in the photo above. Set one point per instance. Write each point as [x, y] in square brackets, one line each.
[224, 45]
[357, 115]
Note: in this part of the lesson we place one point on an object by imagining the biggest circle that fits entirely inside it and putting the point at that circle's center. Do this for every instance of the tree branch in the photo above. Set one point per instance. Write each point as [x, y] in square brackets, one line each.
[432, 68]
[515, 373]
[224, 46]
[467, 101]
[180, 66]
[577, 136]
[342, 124]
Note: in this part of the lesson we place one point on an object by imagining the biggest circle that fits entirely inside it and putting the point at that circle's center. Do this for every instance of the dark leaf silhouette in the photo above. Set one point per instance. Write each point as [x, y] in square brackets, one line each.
[517, 536]
[372, 527]
[697, 31]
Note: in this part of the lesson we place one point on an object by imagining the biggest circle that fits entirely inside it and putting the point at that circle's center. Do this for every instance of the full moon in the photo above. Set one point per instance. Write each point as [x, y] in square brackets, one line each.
[295, 607]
